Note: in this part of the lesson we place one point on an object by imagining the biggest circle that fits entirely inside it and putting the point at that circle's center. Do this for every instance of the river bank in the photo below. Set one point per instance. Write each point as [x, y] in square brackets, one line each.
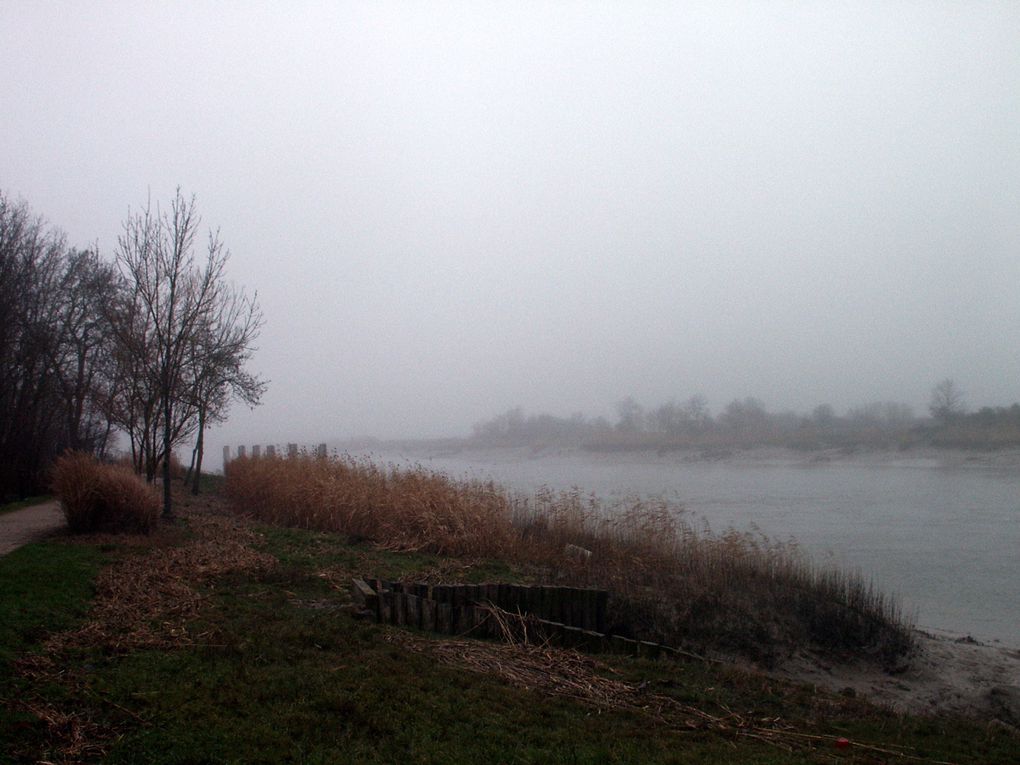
[947, 674]
[937, 528]
[229, 641]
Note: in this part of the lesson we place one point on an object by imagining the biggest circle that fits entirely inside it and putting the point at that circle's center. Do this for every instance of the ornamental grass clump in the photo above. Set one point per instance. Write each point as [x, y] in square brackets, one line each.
[97, 497]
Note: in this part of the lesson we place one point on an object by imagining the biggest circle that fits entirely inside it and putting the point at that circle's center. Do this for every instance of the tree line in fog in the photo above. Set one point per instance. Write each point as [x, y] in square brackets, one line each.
[150, 344]
[748, 422]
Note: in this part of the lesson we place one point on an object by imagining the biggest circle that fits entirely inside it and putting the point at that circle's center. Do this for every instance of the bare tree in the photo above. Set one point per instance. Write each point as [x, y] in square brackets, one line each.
[947, 401]
[697, 413]
[630, 415]
[218, 357]
[31, 428]
[172, 302]
[133, 395]
[80, 356]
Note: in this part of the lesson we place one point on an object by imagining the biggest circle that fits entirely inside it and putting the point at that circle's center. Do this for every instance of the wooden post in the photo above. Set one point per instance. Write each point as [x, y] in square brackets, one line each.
[365, 596]
[601, 603]
[590, 607]
[412, 607]
[444, 618]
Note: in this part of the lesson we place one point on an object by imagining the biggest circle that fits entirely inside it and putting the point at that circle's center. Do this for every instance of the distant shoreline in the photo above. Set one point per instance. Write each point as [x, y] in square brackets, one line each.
[757, 456]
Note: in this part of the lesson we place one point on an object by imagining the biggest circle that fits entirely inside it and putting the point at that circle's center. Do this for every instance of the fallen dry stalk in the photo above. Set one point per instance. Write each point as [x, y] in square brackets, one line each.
[572, 675]
[144, 600]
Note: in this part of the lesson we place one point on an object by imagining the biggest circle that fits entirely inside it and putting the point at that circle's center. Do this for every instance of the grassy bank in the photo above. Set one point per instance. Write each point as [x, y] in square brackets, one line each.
[219, 642]
[670, 582]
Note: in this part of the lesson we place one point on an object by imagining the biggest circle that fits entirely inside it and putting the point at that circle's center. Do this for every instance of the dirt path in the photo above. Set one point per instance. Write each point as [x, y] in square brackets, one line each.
[23, 526]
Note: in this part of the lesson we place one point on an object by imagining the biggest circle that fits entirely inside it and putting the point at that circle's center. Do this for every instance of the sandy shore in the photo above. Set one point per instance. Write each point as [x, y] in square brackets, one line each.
[947, 674]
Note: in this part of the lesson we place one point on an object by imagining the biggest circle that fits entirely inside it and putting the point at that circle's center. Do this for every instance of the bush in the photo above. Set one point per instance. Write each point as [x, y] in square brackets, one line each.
[97, 497]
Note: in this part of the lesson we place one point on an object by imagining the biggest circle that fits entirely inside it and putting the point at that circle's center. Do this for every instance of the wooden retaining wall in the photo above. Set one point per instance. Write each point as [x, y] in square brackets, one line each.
[567, 616]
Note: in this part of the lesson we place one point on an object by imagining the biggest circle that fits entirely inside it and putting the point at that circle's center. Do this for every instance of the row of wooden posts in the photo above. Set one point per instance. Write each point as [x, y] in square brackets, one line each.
[567, 616]
[270, 451]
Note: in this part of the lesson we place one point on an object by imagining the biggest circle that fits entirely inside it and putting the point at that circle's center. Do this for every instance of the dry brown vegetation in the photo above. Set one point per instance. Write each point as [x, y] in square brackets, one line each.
[399, 509]
[670, 581]
[98, 497]
[146, 600]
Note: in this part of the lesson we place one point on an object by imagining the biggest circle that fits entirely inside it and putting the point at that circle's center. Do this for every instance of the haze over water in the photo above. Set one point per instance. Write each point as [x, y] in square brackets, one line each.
[449, 208]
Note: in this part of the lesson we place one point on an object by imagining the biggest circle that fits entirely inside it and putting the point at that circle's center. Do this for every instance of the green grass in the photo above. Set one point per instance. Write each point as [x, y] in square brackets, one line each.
[282, 675]
[21, 504]
[44, 587]
[210, 482]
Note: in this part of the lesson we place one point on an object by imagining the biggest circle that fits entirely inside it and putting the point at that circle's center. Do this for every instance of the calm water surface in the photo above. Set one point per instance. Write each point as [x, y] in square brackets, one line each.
[945, 539]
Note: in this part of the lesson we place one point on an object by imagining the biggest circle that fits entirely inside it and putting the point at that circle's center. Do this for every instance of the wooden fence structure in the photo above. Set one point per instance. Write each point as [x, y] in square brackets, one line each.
[567, 616]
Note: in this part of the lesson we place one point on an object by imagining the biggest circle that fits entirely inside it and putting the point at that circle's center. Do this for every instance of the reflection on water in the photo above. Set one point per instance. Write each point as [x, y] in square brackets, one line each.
[946, 540]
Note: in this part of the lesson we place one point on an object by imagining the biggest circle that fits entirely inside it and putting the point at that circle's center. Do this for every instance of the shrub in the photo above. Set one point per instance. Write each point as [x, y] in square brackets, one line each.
[98, 497]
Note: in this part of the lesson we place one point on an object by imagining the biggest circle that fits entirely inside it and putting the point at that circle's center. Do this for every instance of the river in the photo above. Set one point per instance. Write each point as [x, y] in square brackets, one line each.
[944, 538]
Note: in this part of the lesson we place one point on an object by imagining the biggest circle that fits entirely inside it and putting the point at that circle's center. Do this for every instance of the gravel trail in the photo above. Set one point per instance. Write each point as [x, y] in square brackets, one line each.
[28, 524]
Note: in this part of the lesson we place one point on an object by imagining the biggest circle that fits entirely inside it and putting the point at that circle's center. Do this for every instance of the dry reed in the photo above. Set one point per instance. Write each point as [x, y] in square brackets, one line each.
[670, 582]
[398, 508]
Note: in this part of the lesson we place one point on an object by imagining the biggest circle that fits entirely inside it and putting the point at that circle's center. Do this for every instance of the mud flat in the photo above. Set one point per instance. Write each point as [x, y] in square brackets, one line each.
[948, 674]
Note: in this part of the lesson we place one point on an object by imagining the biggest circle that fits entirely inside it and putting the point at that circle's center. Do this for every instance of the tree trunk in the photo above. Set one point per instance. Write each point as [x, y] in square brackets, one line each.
[191, 468]
[199, 449]
[168, 511]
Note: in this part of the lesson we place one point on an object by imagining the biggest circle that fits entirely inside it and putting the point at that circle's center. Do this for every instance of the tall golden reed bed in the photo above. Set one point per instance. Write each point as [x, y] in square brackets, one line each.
[670, 581]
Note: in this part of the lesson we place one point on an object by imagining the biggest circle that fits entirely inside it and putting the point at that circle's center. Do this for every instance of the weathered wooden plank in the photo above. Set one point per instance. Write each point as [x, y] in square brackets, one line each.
[444, 618]
[361, 593]
[428, 615]
[588, 609]
[399, 609]
[412, 609]
[601, 606]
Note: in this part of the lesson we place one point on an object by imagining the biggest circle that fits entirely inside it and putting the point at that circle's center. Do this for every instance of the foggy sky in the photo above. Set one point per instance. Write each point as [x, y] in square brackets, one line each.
[449, 209]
